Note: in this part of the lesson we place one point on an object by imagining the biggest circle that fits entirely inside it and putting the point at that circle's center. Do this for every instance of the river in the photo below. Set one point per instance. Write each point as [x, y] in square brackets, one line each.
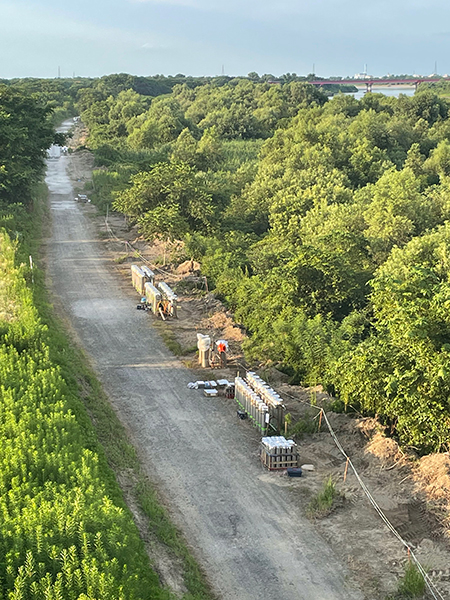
[386, 90]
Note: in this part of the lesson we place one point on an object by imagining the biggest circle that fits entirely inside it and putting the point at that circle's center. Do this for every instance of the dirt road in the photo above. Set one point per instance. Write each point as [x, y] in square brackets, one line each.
[245, 529]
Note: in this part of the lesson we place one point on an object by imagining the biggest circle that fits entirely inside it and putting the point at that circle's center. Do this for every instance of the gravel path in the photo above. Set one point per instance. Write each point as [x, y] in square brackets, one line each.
[244, 528]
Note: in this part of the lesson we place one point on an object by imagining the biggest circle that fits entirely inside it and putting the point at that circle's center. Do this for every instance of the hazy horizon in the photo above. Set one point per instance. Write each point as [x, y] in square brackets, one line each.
[200, 37]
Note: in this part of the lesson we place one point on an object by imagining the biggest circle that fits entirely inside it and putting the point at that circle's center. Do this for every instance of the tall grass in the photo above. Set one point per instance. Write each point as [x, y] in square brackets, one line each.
[322, 503]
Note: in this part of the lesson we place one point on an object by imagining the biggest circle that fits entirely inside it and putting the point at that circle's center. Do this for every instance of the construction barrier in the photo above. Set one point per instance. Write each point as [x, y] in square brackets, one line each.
[153, 297]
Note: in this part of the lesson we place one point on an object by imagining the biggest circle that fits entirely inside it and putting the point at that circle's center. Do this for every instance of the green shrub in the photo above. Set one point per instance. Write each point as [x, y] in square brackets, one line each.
[322, 503]
[65, 530]
[412, 584]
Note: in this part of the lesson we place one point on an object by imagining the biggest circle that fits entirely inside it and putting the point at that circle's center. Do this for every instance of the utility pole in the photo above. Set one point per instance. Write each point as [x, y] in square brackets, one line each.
[223, 70]
[59, 72]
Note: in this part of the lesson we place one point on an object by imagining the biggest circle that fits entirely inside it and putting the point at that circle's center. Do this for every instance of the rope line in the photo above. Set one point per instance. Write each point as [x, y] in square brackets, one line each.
[430, 585]
[137, 253]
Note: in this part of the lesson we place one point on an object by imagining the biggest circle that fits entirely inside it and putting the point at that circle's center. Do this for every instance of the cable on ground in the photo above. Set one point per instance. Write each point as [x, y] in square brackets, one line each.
[430, 585]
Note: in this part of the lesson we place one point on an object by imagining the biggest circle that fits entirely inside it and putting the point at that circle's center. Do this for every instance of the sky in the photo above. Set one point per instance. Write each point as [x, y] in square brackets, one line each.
[91, 38]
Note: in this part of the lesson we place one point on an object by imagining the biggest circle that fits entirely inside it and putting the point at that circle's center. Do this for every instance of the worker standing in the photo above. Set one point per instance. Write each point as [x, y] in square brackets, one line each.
[222, 348]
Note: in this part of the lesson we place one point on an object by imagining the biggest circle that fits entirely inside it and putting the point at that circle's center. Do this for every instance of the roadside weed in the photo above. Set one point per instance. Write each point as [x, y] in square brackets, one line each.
[322, 503]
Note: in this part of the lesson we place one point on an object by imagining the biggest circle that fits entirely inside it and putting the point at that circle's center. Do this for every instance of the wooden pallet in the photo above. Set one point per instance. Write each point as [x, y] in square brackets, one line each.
[278, 462]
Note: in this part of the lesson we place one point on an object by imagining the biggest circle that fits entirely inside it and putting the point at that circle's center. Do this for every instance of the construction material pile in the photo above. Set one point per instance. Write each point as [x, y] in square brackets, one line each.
[254, 393]
[278, 453]
[252, 404]
[162, 301]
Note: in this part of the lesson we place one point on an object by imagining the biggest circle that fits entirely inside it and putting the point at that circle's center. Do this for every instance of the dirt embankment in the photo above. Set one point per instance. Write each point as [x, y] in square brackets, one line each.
[414, 494]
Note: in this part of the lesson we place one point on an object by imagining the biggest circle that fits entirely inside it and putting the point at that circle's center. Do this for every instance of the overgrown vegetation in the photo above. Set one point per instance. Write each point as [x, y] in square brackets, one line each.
[322, 224]
[65, 530]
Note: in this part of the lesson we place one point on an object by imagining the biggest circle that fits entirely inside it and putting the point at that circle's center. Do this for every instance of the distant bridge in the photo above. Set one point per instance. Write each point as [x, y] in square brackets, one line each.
[370, 82]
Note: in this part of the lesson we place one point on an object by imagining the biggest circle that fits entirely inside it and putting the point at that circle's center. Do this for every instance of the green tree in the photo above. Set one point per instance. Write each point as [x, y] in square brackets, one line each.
[396, 212]
[403, 372]
[25, 135]
[172, 196]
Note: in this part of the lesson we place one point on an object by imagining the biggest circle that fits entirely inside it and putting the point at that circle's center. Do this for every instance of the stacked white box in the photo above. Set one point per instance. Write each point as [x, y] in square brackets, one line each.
[274, 402]
[278, 453]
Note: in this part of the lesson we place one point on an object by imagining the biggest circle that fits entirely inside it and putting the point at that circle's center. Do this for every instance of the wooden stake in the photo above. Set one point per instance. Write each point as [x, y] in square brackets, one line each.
[320, 418]
[346, 469]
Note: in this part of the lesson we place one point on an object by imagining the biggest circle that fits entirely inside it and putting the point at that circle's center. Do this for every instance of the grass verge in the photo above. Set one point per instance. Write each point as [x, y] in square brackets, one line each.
[168, 337]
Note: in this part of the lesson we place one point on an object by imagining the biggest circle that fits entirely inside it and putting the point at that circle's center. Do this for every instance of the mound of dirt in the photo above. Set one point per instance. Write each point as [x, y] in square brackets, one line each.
[368, 426]
[385, 449]
[233, 333]
[433, 474]
[189, 266]
[221, 321]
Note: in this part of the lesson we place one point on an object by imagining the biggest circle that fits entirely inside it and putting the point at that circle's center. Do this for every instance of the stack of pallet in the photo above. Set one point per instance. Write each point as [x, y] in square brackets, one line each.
[278, 453]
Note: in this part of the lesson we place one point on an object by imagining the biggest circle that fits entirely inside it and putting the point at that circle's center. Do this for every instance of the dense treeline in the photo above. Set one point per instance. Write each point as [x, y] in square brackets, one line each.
[25, 135]
[322, 223]
[66, 96]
